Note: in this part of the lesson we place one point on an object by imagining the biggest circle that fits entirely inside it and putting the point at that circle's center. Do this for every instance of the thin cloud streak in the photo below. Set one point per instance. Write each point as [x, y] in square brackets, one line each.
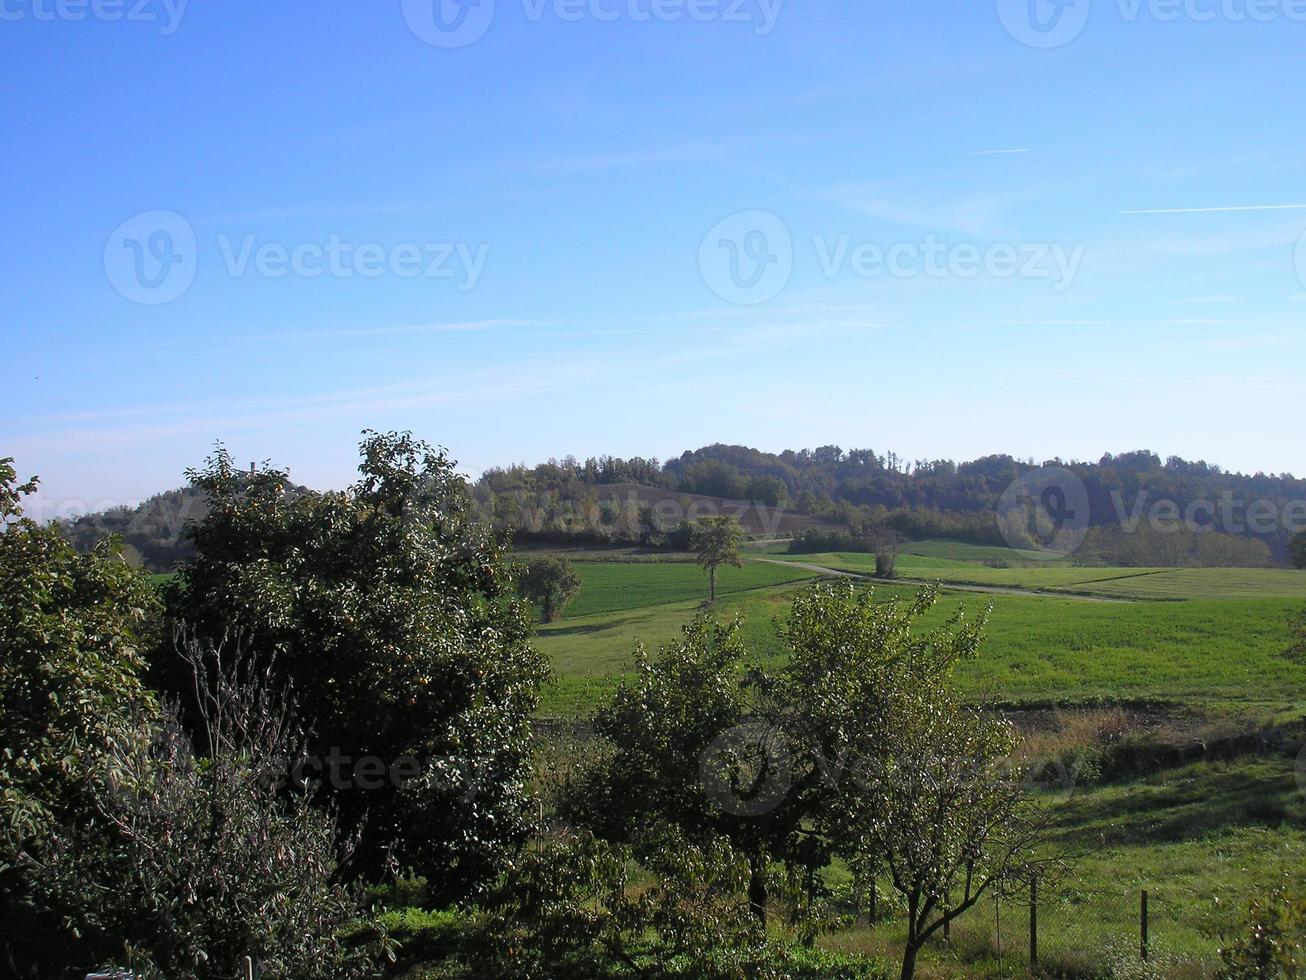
[1219, 210]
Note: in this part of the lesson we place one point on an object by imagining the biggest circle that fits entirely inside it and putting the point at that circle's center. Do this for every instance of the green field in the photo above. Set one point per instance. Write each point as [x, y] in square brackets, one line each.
[1039, 648]
[1211, 659]
[1124, 583]
[616, 586]
[965, 551]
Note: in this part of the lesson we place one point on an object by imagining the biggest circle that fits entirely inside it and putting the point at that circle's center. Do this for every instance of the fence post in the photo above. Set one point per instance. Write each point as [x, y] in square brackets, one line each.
[1142, 927]
[997, 920]
[1033, 919]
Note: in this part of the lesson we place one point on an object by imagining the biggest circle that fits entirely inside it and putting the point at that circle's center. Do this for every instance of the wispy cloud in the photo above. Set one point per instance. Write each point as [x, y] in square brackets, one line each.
[587, 163]
[974, 215]
[469, 326]
[997, 153]
[1219, 210]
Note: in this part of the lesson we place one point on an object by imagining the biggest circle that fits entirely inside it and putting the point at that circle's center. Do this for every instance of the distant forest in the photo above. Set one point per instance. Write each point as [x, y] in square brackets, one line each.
[598, 502]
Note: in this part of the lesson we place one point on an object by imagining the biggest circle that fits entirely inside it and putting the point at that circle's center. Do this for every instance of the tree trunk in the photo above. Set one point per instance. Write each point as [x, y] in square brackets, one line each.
[757, 889]
[711, 574]
[909, 961]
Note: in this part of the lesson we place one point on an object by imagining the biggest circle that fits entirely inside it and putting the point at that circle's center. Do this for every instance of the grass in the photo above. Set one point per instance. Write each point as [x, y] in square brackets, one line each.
[1200, 839]
[616, 586]
[965, 551]
[1122, 583]
[1225, 653]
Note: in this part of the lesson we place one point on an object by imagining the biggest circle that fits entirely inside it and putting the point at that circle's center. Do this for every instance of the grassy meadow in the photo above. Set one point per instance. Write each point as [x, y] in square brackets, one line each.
[1219, 640]
[1121, 660]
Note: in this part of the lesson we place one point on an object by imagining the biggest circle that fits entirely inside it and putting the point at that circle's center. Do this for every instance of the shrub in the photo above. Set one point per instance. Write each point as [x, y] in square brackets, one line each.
[207, 857]
[1273, 944]
[666, 907]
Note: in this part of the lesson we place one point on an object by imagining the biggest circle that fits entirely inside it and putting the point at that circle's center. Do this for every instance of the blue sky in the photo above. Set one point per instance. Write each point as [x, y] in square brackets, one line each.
[538, 225]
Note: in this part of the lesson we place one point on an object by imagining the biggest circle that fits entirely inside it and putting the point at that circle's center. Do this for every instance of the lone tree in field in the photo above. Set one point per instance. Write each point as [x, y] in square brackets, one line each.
[1297, 549]
[716, 540]
[887, 544]
[550, 583]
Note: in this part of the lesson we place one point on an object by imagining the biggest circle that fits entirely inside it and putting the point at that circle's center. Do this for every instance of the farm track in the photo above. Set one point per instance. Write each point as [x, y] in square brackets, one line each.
[957, 586]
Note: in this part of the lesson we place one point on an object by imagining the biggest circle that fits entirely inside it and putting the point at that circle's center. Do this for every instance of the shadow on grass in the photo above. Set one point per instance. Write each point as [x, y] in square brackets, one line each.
[1193, 802]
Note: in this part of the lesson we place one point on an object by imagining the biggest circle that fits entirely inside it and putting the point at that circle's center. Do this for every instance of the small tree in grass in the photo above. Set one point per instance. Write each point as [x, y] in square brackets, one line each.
[550, 583]
[887, 545]
[914, 781]
[716, 541]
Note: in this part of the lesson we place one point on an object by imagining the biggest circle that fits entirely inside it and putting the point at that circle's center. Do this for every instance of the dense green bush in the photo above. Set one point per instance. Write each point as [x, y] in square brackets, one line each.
[119, 844]
[71, 631]
[392, 611]
[1273, 945]
[210, 855]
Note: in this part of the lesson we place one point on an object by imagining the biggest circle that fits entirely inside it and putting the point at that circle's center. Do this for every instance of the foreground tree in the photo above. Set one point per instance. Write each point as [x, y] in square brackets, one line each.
[391, 611]
[550, 583]
[212, 853]
[946, 816]
[917, 781]
[691, 749]
[72, 628]
[716, 541]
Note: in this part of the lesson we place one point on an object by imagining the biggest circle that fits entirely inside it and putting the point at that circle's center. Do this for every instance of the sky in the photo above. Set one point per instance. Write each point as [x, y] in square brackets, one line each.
[532, 228]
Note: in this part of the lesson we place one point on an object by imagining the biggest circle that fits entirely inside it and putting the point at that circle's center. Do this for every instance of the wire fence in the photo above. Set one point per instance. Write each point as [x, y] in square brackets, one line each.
[1065, 930]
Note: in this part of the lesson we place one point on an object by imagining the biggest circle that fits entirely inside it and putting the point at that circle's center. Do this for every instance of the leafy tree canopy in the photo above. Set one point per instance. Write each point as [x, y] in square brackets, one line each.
[391, 612]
